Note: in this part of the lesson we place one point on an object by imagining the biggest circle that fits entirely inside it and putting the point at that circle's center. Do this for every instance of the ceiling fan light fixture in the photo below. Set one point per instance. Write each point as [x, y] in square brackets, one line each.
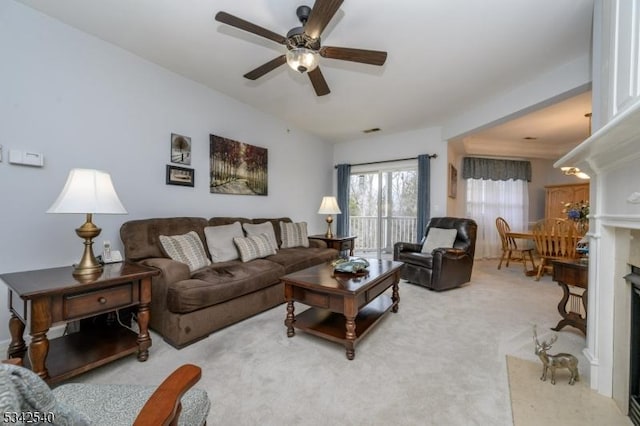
[302, 59]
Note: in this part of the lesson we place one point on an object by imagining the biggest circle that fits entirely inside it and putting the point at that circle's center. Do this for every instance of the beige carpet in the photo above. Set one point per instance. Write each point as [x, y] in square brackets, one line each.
[440, 361]
[534, 402]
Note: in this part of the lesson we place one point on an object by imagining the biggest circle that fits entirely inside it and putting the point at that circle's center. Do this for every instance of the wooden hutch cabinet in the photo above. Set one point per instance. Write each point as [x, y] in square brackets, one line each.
[558, 195]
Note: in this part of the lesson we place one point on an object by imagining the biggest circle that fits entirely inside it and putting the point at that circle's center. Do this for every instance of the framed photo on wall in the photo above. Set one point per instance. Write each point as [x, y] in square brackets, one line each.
[180, 176]
[453, 181]
[180, 149]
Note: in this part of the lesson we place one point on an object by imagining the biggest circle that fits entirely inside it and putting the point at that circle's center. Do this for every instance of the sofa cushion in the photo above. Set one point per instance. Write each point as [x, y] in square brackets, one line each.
[295, 259]
[439, 237]
[141, 237]
[262, 228]
[220, 241]
[226, 220]
[186, 248]
[254, 247]
[221, 282]
[294, 234]
[275, 222]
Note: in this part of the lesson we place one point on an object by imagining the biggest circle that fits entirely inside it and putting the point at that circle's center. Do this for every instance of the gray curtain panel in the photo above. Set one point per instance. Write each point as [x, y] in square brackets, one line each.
[344, 176]
[424, 197]
[492, 169]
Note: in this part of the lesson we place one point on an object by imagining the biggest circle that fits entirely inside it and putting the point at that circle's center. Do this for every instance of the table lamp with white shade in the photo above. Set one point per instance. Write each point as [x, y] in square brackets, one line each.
[88, 191]
[329, 206]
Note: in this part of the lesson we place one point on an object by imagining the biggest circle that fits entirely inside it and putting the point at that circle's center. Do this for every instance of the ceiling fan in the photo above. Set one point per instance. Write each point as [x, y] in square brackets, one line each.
[303, 44]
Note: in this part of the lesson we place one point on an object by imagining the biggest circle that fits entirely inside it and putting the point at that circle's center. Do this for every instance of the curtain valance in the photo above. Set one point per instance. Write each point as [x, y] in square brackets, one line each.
[492, 169]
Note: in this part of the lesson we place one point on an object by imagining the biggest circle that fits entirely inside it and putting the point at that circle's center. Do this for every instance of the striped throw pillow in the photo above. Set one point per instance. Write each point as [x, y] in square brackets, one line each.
[294, 234]
[186, 248]
[254, 247]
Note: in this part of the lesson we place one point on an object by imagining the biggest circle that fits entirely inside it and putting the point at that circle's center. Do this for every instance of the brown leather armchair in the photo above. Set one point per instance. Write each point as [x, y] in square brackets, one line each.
[443, 268]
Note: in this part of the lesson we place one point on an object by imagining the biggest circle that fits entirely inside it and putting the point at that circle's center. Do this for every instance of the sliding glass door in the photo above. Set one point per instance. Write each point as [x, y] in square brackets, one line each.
[382, 208]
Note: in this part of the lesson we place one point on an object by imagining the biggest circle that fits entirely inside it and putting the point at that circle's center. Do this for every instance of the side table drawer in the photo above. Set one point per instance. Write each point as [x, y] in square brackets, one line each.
[570, 274]
[78, 305]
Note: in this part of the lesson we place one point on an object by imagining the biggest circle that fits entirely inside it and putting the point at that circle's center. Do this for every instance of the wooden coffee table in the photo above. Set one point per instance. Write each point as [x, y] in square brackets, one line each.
[344, 307]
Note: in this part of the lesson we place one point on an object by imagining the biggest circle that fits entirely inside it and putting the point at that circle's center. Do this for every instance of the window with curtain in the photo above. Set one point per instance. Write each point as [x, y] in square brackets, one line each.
[496, 188]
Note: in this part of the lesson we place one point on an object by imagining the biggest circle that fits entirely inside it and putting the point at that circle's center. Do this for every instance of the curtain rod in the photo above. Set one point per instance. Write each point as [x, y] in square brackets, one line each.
[388, 161]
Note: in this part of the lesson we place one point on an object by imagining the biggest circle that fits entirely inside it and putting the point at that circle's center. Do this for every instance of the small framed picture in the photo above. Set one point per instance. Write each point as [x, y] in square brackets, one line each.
[180, 176]
[453, 181]
[180, 149]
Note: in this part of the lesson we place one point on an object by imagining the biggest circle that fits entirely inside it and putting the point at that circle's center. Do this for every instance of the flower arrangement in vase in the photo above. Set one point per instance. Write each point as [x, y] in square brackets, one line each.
[578, 212]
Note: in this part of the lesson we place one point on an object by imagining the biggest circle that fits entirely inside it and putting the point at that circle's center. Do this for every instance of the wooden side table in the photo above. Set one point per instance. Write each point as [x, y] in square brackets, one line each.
[47, 297]
[571, 273]
[337, 242]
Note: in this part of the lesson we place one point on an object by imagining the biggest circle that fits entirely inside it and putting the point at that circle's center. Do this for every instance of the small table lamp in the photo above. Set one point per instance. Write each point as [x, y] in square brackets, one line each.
[329, 206]
[88, 191]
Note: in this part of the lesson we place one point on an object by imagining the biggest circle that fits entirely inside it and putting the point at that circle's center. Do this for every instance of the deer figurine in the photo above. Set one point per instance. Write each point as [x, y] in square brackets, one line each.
[551, 362]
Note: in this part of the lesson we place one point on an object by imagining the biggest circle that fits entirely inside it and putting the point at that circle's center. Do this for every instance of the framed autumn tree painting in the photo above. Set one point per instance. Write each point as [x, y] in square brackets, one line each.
[237, 167]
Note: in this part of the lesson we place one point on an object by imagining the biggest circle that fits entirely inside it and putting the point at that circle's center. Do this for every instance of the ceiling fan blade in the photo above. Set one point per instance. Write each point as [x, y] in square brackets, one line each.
[319, 83]
[321, 14]
[372, 57]
[265, 68]
[234, 21]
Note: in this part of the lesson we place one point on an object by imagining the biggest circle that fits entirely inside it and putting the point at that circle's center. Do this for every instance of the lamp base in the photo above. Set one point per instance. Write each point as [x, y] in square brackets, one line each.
[88, 265]
[329, 234]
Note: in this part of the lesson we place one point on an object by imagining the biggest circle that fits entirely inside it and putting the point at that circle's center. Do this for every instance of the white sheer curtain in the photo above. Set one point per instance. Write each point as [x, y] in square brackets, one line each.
[488, 199]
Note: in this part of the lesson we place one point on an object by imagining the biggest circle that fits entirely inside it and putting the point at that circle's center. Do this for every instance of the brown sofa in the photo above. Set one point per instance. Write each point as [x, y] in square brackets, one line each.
[186, 307]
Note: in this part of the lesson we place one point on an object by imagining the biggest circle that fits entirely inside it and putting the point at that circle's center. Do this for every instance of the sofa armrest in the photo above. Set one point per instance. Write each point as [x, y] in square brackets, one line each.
[317, 243]
[170, 270]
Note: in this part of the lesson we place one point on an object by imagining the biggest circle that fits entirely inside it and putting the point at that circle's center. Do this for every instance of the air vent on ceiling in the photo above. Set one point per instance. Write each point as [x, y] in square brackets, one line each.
[530, 138]
[372, 130]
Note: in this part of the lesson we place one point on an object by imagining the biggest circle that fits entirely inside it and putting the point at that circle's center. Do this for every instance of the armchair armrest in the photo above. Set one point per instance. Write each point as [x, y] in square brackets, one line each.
[403, 246]
[163, 407]
[450, 253]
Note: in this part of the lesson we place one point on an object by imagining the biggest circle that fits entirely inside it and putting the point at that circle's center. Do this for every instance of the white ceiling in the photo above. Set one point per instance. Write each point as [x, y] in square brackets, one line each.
[444, 56]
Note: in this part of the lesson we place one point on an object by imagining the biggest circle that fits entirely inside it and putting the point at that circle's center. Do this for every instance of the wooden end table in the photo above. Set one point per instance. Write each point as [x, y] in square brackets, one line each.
[46, 297]
[344, 307]
[340, 243]
[571, 273]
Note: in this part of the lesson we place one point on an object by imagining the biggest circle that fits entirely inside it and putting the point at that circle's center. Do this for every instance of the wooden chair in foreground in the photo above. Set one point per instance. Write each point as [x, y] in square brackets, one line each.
[554, 240]
[510, 248]
[171, 403]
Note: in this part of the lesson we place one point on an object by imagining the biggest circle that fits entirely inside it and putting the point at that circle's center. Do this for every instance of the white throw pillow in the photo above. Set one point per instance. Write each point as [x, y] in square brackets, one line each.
[254, 247]
[262, 228]
[439, 237]
[294, 234]
[186, 248]
[220, 241]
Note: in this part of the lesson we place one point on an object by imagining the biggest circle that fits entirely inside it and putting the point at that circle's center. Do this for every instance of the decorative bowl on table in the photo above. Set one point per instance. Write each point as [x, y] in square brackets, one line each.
[355, 265]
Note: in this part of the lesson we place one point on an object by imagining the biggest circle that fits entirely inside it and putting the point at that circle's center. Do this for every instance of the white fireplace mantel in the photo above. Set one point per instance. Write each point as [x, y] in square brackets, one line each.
[611, 156]
[614, 144]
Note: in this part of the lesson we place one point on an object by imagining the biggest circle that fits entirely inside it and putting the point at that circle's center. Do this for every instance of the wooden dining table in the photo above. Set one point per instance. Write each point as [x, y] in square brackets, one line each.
[521, 235]
[528, 235]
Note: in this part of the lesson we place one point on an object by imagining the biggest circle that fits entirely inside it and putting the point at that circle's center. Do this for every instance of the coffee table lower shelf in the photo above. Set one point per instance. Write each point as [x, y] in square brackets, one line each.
[332, 326]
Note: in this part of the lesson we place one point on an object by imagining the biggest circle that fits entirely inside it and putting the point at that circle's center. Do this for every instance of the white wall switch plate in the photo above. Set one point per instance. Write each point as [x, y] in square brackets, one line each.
[26, 158]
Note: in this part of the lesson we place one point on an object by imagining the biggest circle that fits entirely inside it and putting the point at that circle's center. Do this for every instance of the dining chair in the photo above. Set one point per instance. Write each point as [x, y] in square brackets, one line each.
[554, 240]
[510, 247]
